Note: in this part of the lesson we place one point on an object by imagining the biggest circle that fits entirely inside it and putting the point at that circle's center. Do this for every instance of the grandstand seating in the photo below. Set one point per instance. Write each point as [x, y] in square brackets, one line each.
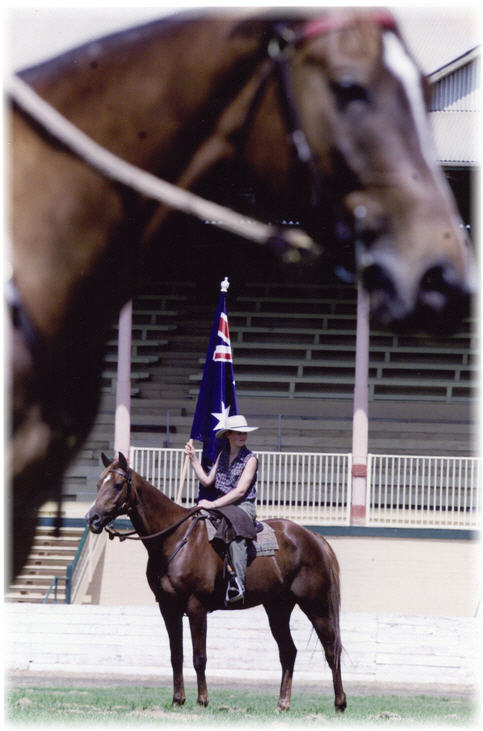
[294, 347]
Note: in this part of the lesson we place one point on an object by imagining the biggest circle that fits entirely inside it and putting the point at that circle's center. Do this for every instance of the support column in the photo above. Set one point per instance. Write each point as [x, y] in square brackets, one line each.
[122, 425]
[360, 422]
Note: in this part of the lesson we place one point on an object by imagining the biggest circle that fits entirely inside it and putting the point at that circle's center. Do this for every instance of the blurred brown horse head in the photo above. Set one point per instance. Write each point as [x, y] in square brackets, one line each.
[326, 115]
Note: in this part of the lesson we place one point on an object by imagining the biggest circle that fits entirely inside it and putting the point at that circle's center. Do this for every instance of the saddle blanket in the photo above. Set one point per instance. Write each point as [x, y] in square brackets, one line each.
[265, 543]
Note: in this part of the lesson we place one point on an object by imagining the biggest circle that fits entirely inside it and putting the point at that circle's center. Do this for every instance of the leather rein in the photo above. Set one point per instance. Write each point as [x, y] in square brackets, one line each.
[126, 508]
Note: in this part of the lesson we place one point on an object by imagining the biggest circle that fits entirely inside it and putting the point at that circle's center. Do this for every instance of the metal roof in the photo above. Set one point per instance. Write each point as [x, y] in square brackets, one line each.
[438, 35]
[444, 40]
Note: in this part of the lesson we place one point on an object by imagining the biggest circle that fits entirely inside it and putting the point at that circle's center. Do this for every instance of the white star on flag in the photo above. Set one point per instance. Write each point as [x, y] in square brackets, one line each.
[225, 412]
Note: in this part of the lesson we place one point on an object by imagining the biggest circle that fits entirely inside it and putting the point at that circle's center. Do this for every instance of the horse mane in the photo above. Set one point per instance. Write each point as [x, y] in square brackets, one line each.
[154, 495]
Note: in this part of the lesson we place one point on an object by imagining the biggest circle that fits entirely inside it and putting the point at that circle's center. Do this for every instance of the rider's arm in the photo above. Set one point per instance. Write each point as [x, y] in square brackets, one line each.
[205, 479]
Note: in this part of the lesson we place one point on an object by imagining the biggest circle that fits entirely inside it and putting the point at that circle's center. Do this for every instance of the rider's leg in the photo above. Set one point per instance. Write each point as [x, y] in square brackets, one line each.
[238, 558]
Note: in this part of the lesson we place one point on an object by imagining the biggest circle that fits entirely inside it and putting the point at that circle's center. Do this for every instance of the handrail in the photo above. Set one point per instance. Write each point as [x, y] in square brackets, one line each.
[53, 585]
[70, 568]
[69, 573]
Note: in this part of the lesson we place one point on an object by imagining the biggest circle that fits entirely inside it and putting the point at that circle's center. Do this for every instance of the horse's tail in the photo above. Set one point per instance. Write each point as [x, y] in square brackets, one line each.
[333, 600]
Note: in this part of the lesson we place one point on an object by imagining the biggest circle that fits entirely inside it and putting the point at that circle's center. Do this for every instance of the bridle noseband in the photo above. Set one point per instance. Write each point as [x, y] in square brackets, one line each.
[126, 506]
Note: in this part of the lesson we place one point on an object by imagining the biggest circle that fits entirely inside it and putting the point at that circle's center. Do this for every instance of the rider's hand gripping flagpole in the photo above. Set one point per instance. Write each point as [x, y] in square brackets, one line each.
[217, 396]
[182, 479]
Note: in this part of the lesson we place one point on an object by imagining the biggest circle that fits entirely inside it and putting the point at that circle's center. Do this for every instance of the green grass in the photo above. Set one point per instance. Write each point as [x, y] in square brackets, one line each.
[145, 707]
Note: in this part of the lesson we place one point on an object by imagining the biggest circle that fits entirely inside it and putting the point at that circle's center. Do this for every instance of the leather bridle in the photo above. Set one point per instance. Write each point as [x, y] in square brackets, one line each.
[280, 50]
[127, 507]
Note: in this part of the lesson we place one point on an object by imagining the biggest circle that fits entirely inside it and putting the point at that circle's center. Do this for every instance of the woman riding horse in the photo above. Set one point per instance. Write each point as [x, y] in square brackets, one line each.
[233, 478]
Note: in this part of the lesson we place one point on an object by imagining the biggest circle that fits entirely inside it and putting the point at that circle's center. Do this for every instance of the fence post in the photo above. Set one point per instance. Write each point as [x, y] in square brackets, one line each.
[360, 425]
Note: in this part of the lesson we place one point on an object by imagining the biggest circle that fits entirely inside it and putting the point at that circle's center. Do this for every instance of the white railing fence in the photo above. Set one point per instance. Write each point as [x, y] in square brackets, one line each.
[306, 487]
[431, 492]
[315, 488]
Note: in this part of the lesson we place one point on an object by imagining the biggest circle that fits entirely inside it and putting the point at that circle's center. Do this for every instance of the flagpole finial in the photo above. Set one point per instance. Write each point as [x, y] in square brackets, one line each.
[224, 285]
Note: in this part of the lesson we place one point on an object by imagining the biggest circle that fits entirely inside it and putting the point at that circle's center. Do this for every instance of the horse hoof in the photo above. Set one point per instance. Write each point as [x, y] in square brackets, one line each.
[203, 702]
[178, 701]
[282, 707]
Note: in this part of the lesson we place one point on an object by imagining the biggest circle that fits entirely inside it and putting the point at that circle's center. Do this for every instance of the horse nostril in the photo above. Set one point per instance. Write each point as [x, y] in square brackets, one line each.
[434, 279]
[443, 302]
[93, 520]
[374, 277]
[439, 287]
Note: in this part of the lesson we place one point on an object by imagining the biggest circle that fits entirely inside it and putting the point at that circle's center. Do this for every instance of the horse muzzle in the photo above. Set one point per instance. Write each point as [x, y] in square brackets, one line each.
[95, 521]
[436, 301]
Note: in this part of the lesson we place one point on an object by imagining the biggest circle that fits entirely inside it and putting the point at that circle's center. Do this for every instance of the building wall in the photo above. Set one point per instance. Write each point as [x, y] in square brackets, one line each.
[434, 577]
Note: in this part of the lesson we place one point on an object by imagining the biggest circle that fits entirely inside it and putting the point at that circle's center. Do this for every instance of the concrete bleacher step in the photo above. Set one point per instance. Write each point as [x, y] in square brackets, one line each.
[48, 558]
[25, 594]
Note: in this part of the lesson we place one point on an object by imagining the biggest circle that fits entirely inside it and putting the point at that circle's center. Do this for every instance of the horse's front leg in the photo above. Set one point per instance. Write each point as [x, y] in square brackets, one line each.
[197, 619]
[173, 619]
[279, 620]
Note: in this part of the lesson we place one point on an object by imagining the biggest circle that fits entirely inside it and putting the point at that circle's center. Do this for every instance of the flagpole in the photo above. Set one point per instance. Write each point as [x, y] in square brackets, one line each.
[223, 288]
[183, 475]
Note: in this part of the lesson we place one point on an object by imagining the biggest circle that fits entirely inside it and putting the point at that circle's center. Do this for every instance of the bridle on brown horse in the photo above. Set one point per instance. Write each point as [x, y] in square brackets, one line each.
[127, 507]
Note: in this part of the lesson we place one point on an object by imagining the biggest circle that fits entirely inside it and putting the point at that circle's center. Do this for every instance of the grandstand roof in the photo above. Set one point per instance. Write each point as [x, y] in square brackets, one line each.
[441, 39]
[439, 35]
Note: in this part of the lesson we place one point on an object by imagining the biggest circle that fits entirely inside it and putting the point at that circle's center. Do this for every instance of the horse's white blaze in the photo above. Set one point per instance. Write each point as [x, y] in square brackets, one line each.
[106, 479]
[401, 65]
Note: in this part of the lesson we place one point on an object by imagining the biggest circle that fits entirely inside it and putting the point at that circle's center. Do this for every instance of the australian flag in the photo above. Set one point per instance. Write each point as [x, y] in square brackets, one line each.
[217, 396]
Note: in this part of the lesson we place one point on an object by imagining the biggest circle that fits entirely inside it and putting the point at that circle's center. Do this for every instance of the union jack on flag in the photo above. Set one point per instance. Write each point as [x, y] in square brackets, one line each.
[217, 396]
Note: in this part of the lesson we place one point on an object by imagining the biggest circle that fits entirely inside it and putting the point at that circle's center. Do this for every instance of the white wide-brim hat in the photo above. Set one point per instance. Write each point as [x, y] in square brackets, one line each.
[235, 423]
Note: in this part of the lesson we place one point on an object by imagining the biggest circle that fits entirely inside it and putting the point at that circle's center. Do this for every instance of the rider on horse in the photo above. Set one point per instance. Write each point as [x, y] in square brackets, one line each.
[232, 480]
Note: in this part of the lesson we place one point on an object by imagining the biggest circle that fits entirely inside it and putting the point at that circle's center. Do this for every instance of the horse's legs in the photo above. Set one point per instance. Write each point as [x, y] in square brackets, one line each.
[279, 619]
[197, 619]
[327, 628]
[173, 619]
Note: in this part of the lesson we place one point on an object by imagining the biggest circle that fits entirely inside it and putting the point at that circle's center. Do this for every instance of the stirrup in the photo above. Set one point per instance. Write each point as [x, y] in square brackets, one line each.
[234, 591]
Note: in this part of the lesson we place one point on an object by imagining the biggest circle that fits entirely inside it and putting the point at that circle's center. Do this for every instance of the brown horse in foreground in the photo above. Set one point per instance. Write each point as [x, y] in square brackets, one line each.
[321, 113]
[303, 571]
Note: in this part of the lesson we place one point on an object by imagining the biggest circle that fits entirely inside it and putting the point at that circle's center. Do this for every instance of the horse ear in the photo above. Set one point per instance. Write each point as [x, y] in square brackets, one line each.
[105, 460]
[122, 462]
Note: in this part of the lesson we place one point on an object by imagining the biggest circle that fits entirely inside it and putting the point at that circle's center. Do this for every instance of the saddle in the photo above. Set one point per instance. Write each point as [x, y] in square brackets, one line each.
[223, 525]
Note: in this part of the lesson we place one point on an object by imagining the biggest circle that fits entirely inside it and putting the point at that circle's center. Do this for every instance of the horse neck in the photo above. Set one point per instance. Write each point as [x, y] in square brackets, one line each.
[135, 77]
[153, 511]
[125, 93]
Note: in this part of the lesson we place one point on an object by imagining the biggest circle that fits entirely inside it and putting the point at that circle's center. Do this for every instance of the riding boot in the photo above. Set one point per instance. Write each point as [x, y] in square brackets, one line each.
[238, 565]
[234, 590]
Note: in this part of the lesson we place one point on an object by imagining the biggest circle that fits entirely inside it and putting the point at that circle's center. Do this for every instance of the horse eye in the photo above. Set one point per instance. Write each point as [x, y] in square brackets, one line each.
[347, 91]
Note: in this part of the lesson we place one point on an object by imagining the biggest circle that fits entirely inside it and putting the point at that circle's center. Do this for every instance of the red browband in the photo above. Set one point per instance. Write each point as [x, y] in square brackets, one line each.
[338, 21]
